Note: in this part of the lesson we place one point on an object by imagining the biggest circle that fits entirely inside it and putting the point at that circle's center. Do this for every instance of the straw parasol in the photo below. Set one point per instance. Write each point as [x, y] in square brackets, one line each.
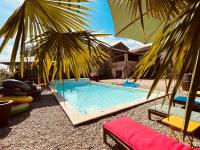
[130, 27]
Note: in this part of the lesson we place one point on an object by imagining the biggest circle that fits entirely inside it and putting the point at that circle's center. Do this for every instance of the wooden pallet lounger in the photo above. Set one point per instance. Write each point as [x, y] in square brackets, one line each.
[163, 112]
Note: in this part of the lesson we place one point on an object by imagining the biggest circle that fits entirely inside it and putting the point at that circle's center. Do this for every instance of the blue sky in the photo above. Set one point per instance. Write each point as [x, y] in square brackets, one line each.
[101, 22]
[101, 18]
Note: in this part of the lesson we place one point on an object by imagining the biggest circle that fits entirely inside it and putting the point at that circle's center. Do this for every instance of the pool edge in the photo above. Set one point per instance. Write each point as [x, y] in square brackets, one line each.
[77, 118]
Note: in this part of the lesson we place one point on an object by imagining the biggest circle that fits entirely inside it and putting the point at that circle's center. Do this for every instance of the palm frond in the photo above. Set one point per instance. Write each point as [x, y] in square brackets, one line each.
[178, 44]
[67, 53]
[35, 17]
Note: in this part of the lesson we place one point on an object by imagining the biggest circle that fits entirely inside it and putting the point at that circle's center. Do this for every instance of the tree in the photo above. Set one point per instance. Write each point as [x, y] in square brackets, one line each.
[36, 18]
[69, 53]
[178, 43]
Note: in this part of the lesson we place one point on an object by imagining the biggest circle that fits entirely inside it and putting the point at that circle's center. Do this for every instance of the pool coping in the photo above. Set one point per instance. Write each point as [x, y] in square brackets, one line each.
[77, 118]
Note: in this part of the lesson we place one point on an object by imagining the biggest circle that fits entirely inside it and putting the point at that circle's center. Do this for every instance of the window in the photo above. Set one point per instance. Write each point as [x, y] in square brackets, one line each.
[119, 73]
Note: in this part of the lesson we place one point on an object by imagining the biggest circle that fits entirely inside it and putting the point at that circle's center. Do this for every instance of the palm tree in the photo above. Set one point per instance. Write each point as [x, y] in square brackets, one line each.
[49, 17]
[73, 53]
[178, 43]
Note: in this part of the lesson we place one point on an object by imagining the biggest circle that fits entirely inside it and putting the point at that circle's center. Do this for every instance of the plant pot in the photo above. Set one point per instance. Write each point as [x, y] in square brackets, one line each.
[5, 108]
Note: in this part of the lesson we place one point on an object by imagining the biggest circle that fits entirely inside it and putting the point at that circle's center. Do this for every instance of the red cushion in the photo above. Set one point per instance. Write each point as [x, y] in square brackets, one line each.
[140, 137]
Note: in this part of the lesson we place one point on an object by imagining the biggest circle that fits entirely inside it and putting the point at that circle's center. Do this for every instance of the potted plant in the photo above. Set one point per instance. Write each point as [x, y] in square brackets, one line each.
[5, 108]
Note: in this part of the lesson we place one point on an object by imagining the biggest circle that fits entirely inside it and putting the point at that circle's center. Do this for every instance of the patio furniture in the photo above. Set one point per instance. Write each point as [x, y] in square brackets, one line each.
[133, 135]
[177, 123]
[163, 112]
[183, 99]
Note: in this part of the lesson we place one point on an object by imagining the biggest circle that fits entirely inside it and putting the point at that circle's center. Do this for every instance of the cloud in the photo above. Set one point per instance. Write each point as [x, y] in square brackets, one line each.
[5, 55]
[20, 1]
[131, 44]
[14, 1]
[12, 4]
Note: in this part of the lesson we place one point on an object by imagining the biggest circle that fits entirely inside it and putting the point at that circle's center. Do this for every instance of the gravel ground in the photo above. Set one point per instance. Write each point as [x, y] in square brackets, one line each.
[46, 126]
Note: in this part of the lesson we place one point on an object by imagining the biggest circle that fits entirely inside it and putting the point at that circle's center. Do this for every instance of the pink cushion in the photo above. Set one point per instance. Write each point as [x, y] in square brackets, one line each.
[140, 137]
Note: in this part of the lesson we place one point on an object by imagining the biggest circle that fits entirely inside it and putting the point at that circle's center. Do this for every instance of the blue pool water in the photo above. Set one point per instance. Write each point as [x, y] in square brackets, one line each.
[88, 97]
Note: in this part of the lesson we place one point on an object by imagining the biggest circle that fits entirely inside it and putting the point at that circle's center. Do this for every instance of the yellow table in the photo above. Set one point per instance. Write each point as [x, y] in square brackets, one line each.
[177, 122]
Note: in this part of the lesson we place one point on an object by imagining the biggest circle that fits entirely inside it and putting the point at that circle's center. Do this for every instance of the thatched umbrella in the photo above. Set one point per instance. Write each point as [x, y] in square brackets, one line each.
[129, 26]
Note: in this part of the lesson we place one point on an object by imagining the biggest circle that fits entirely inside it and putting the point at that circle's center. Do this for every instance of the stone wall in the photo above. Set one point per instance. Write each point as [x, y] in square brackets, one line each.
[126, 67]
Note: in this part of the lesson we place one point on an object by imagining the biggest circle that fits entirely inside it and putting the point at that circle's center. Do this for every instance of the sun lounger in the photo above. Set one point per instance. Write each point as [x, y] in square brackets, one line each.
[163, 112]
[176, 122]
[132, 135]
[183, 100]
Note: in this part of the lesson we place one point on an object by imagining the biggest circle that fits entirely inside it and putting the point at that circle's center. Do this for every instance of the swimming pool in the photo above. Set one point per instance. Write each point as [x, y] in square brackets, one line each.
[85, 99]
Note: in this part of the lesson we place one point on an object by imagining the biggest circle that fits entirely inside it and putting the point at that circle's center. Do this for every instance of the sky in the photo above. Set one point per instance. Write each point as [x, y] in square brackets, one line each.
[101, 22]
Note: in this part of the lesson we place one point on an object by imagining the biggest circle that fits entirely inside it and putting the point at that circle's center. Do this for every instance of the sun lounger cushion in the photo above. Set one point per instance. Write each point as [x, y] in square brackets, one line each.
[176, 111]
[140, 137]
[184, 99]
